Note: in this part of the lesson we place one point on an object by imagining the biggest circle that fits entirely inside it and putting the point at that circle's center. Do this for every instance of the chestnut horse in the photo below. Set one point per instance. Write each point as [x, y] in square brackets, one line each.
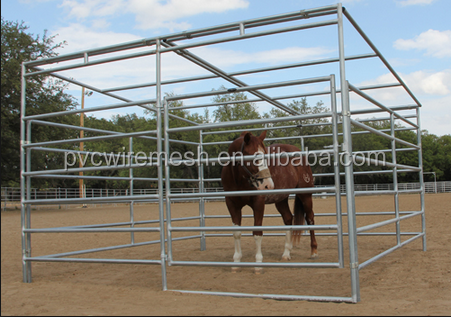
[257, 174]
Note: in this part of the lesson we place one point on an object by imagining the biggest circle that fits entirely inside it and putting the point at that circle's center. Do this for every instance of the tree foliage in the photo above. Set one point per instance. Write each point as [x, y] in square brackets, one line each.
[43, 95]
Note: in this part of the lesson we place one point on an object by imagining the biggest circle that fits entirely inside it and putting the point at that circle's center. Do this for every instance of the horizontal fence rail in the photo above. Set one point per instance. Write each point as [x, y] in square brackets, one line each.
[12, 194]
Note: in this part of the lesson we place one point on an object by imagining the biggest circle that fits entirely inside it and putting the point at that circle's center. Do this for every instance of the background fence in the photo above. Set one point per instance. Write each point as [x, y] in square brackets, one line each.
[12, 194]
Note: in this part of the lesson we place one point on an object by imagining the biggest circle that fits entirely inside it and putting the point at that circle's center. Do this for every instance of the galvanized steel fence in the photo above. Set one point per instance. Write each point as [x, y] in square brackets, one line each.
[341, 118]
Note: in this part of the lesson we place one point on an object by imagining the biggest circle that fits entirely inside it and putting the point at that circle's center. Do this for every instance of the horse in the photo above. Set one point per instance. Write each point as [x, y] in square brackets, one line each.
[257, 174]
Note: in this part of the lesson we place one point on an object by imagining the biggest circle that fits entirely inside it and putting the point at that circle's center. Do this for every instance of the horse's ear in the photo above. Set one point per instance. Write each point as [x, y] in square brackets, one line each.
[247, 137]
[262, 136]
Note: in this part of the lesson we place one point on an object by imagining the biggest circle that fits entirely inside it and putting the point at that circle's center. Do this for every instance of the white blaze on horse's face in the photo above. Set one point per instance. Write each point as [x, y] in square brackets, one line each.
[262, 164]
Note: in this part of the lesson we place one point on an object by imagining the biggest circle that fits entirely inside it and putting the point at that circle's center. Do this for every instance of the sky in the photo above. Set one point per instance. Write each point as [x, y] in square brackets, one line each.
[413, 35]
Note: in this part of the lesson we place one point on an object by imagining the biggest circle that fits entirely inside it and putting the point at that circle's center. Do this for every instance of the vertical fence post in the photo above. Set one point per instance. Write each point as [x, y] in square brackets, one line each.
[420, 164]
[167, 181]
[132, 212]
[25, 224]
[349, 170]
[395, 178]
[203, 245]
[160, 108]
[337, 170]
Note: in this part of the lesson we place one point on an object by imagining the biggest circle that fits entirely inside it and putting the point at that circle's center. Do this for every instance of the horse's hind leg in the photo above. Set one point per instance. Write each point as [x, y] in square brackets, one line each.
[310, 219]
[284, 210]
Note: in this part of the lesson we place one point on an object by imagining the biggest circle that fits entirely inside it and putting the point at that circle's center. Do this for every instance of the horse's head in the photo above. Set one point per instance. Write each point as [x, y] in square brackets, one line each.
[255, 171]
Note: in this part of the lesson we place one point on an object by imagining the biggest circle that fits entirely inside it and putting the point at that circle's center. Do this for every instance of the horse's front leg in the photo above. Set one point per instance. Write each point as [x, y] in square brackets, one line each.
[259, 209]
[238, 254]
[258, 254]
[236, 214]
[284, 210]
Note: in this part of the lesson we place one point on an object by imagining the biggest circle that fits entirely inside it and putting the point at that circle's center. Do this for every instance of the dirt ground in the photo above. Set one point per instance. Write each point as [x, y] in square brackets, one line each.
[405, 282]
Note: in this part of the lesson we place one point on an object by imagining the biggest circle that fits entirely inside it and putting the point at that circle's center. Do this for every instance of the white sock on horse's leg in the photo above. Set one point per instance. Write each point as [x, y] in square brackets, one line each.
[258, 255]
[288, 247]
[238, 254]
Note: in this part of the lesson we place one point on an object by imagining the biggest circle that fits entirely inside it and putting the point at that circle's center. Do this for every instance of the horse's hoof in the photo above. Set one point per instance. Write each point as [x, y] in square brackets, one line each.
[286, 258]
[258, 271]
[314, 255]
[235, 270]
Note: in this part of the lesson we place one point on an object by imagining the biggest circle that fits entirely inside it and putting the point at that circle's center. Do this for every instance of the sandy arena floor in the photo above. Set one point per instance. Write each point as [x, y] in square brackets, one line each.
[406, 282]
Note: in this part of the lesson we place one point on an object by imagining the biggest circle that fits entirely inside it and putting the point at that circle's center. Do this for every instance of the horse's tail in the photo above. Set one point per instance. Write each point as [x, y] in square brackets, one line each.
[299, 216]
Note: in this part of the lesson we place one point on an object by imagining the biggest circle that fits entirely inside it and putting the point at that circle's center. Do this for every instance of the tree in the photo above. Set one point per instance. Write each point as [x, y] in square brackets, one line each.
[43, 95]
[227, 111]
[305, 127]
[234, 111]
[437, 155]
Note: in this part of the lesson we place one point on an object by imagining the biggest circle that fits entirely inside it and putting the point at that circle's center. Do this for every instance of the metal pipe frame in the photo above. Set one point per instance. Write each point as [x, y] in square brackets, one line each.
[349, 171]
[395, 108]
[393, 140]
[93, 138]
[201, 196]
[91, 260]
[254, 192]
[377, 103]
[203, 242]
[381, 57]
[184, 46]
[388, 192]
[103, 230]
[304, 125]
[273, 296]
[90, 87]
[204, 64]
[323, 214]
[387, 222]
[251, 89]
[323, 234]
[420, 164]
[355, 173]
[78, 83]
[388, 164]
[382, 254]
[91, 109]
[172, 44]
[316, 93]
[316, 135]
[112, 178]
[68, 126]
[84, 169]
[253, 264]
[252, 228]
[250, 122]
[91, 200]
[246, 158]
[240, 73]
[100, 249]
[302, 14]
